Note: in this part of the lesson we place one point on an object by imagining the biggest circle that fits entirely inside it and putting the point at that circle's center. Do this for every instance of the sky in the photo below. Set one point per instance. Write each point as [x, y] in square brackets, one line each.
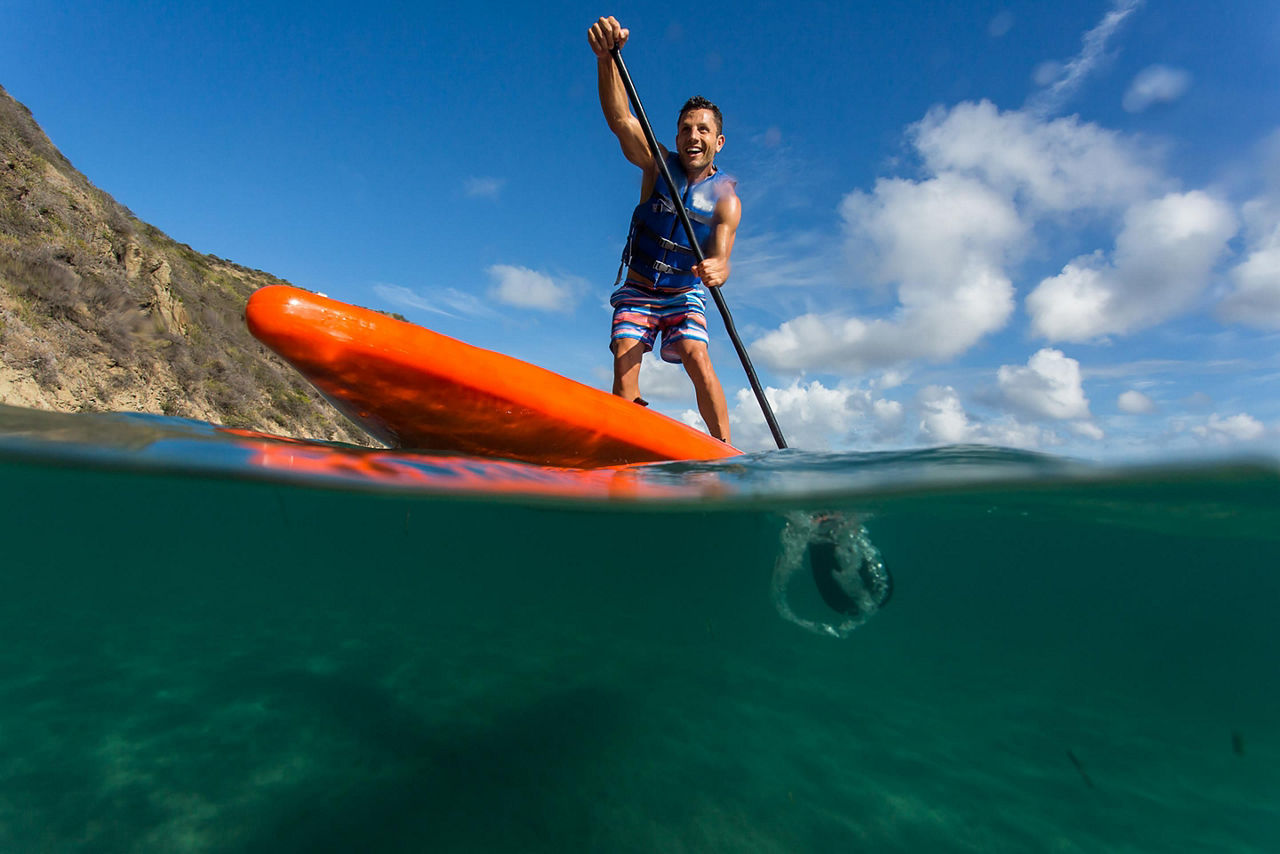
[1045, 226]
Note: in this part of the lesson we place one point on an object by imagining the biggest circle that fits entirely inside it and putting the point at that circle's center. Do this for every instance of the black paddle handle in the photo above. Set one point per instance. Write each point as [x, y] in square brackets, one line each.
[697, 248]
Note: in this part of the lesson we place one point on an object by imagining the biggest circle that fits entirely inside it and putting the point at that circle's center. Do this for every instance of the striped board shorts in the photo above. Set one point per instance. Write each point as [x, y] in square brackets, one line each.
[641, 314]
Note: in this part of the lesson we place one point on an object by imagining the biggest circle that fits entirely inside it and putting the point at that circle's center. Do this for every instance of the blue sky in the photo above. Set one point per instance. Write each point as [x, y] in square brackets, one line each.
[1052, 226]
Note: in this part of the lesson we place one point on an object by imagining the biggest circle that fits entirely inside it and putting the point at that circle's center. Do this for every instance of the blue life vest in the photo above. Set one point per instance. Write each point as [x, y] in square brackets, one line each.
[657, 246]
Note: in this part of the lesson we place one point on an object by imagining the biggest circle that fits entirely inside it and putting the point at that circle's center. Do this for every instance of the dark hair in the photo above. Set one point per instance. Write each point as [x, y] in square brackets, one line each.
[697, 102]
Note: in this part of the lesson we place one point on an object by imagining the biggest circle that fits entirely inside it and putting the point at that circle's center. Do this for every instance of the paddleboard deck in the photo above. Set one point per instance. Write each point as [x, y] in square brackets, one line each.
[413, 388]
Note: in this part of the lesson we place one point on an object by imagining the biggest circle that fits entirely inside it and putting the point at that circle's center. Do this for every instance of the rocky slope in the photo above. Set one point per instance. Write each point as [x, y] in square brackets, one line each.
[102, 312]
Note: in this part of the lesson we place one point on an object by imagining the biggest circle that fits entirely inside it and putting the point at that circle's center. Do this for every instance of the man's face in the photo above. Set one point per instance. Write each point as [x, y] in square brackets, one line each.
[697, 140]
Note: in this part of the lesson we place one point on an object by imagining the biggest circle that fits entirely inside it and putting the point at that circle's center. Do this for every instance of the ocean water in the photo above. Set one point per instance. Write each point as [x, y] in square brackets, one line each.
[216, 641]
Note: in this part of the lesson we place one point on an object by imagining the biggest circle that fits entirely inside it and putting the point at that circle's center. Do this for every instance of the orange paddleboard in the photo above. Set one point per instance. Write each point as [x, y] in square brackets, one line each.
[414, 388]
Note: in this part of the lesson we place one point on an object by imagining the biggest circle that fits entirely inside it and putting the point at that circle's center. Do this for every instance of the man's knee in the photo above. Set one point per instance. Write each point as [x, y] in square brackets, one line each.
[692, 349]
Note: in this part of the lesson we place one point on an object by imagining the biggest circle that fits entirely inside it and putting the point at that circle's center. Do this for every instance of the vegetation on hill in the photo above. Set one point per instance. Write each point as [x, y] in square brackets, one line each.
[102, 312]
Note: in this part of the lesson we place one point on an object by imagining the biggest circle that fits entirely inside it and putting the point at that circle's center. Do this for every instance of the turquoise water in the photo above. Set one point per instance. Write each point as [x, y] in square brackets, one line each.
[212, 642]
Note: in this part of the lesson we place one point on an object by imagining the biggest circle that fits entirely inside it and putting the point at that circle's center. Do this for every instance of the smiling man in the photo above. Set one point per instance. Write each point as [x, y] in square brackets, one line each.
[662, 290]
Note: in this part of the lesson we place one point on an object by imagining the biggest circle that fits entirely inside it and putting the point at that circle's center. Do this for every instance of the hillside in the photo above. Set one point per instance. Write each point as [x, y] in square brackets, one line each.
[102, 312]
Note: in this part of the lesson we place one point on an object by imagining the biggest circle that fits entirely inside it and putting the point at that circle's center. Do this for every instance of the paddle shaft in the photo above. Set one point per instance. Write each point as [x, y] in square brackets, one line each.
[661, 163]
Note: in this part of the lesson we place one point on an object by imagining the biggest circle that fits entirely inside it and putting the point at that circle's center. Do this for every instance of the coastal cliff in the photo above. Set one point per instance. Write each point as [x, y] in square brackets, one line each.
[102, 312]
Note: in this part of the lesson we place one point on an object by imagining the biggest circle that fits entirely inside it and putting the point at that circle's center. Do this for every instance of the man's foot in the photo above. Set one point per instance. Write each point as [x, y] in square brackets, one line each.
[855, 591]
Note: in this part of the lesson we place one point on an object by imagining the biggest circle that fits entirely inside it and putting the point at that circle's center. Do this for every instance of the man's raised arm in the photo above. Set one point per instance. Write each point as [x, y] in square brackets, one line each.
[604, 35]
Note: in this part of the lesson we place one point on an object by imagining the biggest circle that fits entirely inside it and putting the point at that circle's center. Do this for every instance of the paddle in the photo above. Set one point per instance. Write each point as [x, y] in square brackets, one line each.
[697, 248]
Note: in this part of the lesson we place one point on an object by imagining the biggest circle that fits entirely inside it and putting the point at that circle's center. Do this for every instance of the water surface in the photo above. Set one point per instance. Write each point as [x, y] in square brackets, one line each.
[219, 642]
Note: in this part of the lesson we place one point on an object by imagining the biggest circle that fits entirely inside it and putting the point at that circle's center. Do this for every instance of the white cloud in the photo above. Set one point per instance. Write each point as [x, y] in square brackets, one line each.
[1161, 263]
[1135, 402]
[483, 187]
[888, 416]
[923, 233]
[1088, 430]
[694, 420]
[943, 241]
[1255, 296]
[449, 302]
[661, 380]
[1060, 165]
[891, 379]
[944, 421]
[935, 255]
[1155, 84]
[1048, 386]
[1241, 427]
[814, 417]
[520, 286]
[1093, 52]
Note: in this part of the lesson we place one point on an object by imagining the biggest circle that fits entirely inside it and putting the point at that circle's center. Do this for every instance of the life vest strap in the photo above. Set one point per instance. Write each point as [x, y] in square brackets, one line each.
[638, 257]
[663, 242]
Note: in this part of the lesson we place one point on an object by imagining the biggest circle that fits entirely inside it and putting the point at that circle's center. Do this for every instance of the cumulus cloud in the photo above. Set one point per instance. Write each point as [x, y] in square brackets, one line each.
[814, 417]
[1155, 84]
[888, 416]
[1241, 427]
[663, 380]
[936, 253]
[942, 417]
[1093, 52]
[1047, 386]
[1088, 430]
[1160, 264]
[891, 379]
[525, 288]
[943, 242]
[1054, 166]
[926, 231]
[944, 421]
[1254, 298]
[1135, 402]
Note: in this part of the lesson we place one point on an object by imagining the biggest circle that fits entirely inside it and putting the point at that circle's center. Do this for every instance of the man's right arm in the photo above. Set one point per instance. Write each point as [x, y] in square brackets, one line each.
[604, 35]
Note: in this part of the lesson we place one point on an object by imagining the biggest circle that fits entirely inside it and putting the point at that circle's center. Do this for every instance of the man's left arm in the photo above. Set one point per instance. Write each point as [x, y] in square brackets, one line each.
[714, 270]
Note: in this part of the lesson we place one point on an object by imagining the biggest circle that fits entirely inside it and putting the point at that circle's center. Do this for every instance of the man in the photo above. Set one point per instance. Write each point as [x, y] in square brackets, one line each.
[662, 292]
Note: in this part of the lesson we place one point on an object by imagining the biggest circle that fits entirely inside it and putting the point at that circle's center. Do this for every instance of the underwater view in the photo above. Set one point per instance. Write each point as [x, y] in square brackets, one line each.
[213, 640]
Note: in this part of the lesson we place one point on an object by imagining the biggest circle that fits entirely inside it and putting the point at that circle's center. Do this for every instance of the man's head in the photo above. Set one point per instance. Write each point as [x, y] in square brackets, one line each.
[697, 102]
[699, 133]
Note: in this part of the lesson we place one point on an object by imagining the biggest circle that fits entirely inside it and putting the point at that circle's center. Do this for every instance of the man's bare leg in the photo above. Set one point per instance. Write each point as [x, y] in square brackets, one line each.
[706, 386]
[627, 355]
